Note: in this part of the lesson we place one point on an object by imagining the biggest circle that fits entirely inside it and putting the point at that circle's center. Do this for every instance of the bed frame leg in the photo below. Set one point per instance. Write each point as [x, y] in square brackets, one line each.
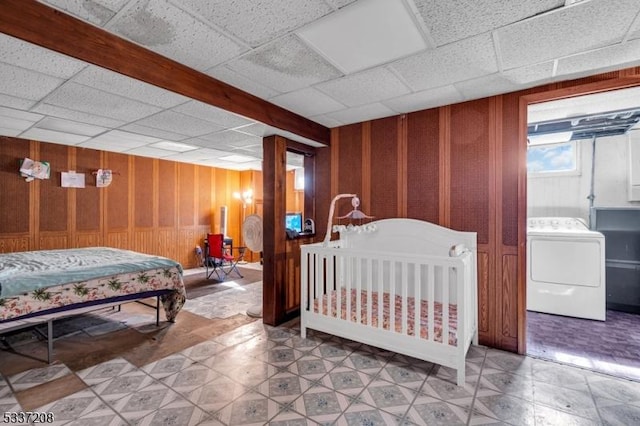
[49, 340]
[157, 311]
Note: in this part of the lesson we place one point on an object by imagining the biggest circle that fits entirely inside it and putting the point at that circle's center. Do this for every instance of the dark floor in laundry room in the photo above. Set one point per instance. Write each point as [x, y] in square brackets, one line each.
[611, 346]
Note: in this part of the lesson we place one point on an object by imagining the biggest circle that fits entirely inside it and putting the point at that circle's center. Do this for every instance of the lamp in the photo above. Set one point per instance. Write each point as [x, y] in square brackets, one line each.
[246, 197]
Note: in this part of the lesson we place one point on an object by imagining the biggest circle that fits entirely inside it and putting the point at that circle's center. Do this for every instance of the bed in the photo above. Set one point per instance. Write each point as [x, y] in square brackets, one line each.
[403, 285]
[42, 286]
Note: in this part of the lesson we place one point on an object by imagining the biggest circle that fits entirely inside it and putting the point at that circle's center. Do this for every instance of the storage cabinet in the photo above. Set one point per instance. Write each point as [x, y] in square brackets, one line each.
[621, 229]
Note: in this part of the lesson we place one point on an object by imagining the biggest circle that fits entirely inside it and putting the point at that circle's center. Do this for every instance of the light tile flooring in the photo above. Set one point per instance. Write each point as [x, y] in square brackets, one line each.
[258, 375]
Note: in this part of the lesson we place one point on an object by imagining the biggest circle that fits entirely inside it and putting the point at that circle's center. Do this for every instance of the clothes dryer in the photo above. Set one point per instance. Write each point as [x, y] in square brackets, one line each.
[565, 268]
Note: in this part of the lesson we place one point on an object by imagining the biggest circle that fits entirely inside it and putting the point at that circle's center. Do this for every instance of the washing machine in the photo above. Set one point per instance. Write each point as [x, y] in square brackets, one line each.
[565, 268]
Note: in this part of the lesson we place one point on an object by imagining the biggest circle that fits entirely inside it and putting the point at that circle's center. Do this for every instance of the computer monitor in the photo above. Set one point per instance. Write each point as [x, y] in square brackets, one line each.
[294, 221]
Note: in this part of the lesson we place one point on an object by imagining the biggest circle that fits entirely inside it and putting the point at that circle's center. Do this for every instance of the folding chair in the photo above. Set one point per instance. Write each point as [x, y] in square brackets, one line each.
[219, 259]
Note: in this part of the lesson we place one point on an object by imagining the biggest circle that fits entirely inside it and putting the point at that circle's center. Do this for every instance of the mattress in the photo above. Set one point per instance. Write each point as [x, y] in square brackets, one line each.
[372, 319]
[76, 280]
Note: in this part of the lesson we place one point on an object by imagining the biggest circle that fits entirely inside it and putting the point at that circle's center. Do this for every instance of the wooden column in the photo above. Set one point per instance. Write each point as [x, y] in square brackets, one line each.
[274, 244]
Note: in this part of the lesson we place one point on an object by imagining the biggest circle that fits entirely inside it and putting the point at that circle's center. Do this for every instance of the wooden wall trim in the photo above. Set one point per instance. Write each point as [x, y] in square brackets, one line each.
[45, 26]
[365, 196]
[403, 143]
[444, 166]
[34, 200]
[582, 89]
[522, 226]
[335, 158]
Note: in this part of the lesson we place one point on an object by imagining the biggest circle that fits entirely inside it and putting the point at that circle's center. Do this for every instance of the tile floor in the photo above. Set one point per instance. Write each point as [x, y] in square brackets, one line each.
[258, 375]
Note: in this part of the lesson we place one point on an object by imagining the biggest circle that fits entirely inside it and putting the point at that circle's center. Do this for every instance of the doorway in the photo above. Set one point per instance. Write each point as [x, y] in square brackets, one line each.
[583, 232]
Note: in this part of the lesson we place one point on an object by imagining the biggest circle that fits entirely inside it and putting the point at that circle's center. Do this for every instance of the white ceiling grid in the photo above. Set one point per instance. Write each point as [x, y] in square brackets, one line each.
[467, 49]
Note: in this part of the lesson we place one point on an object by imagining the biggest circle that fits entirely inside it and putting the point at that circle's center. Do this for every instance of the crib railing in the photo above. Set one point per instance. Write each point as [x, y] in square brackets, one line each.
[429, 280]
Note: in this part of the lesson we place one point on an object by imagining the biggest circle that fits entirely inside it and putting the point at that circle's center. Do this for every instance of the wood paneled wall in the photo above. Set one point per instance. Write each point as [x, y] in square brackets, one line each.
[152, 206]
[461, 166]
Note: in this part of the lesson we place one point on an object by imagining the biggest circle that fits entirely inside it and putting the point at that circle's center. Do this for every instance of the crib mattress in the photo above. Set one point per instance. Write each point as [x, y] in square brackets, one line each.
[372, 319]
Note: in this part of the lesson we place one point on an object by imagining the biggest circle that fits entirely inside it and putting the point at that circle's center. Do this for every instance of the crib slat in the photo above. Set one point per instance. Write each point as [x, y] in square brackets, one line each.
[358, 265]
[445, 304]
[392, 296]
[380, 293]
[417, 300]
[431, 271]
[405, 289]
[347, 284]
[343, 281]
[321, 260]
[369, 278]
[330, 283]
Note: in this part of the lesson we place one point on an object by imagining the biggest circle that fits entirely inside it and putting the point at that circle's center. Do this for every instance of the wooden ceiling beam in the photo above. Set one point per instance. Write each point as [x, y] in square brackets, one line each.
[50, 28]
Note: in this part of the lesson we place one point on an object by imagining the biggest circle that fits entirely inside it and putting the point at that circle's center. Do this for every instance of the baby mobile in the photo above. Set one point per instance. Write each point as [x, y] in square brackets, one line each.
[354, 214]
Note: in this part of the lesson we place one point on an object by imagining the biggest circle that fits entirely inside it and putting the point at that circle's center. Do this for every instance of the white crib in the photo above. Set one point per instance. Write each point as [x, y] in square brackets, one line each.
[364, 287]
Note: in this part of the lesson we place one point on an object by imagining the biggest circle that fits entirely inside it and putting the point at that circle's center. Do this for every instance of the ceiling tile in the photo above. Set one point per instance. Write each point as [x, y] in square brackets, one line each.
[78, 97]
[14, 102]
[340, 3]
[234, 79]
[352, 43]
[362, 113]
[426, 99]
[229, 137]
[285, 65]
[122, 139]
[210, 113]
[147, 151]
[4, 131]
[570, 30]
[485, 86]
[26, 84]
[22, 115]
[179, 123]
[199, 154]
[156, 133]
[258, 129]
[118, 84]
[80, 116]
[53, 136]
[67, 126]
[95, 11]
[171, 32]
[307, 102]
[96, 144]
[601, 60]
[527, 75]
[326, 121]
[174, 146]
[258, 21]
[15, 123]
[450, 21]
[365, 87]
[445, 65]
[26, 55]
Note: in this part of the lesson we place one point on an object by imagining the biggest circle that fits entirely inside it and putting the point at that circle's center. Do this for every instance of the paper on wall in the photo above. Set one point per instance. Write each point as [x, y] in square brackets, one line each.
[31, 169]
[103, 178]
[72, 179]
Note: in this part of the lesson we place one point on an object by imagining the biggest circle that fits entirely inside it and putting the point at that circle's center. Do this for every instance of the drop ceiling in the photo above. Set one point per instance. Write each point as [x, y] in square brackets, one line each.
[335, 62]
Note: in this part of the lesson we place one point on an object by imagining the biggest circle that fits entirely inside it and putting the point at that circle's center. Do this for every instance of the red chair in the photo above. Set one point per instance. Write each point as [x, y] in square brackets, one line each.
[219, 258]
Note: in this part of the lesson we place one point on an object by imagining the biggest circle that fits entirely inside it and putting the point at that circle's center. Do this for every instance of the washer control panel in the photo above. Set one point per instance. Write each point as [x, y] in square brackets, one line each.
[556, 223]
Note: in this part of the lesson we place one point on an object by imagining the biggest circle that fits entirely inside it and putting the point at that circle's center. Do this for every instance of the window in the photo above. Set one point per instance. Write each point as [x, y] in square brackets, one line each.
[553, 160]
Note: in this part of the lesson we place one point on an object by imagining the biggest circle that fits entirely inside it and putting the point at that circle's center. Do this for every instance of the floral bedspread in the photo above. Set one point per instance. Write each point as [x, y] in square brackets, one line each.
[78, 293]
[372, 319]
